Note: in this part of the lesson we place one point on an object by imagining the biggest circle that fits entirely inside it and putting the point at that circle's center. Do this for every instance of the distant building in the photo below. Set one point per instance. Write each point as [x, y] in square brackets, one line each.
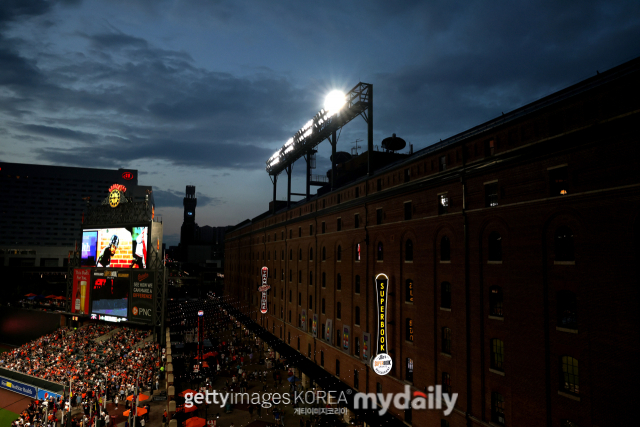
[42, 208]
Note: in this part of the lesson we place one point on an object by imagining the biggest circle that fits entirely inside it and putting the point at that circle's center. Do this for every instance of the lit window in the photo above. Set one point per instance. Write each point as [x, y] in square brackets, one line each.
[409, 370]
[408, 329]
[443, 204]
[408, 290]
[358, 252]
[491, 195]
[569, 376]
[558, 180]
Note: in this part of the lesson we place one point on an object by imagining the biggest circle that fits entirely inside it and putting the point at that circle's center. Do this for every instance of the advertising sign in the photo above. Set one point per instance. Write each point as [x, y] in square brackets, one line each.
[366, 345]
[142, 297]
[264, 287]
[45, 395]
[382, 363]
[80, 292]
[110, 292]
[346, 338]
[18, 387]
[314, 326]
[89, 248]
[327, 334]
[115, 247]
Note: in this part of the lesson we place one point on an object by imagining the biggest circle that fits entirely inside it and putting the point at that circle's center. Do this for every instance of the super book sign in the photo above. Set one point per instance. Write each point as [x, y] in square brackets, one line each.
[382, 282]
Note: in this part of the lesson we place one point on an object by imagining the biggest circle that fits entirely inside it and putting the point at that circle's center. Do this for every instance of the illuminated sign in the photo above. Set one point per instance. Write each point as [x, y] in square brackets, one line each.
[346, 337]
[366, 343]
[127, 175]
[410, 290]
[328, 330]
[116, 194]
[264, 288]
[382, 363]
[314, 326]
[111, 318]
[200, 313]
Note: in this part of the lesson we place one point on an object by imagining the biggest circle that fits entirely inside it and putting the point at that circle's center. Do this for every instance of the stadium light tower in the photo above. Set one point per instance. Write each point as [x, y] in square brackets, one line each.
[339, 109]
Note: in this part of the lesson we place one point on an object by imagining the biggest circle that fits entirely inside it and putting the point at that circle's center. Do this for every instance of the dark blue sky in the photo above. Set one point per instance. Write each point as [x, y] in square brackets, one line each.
[202, 92]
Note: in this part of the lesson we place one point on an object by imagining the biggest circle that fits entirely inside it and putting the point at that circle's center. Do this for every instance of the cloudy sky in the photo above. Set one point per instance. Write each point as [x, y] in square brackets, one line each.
[202, 92]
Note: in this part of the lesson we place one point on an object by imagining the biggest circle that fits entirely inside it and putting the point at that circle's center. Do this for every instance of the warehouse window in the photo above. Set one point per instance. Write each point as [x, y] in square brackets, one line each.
[563, 244]
[445, 249]
[339, 282]
[443, 204]
[497, 354]
[408, 294]
[497, 408]
[491, 195]
[409, 369]
[408, 250]
[446, 383]
[446, 340]
[339, 254]
[567, 310]
[495, 246]
[495, 301]
[558, 180]
[357, 285]
[408, 213]
[445, 295]
[379, 216]
[409, 329]
[569, 376]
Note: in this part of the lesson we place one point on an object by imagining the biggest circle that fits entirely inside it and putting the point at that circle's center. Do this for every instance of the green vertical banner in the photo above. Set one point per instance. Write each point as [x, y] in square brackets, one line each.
[142, 296]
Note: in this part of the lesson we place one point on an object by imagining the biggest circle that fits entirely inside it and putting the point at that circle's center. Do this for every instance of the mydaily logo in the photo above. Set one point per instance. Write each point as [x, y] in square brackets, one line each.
[434, 399]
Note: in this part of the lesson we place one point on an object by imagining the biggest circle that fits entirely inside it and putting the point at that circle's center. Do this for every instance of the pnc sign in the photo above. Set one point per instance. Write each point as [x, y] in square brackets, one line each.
[264, 287]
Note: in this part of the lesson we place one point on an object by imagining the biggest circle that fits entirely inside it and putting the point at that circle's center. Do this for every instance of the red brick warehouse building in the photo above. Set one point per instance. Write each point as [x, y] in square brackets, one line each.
[512, 251]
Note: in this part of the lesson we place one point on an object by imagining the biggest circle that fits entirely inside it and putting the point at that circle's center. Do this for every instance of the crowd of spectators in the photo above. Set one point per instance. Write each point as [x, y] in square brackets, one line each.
[108, 367]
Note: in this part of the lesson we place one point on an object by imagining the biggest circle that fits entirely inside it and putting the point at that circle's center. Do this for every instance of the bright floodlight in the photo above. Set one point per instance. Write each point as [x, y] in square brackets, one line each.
[334, 102]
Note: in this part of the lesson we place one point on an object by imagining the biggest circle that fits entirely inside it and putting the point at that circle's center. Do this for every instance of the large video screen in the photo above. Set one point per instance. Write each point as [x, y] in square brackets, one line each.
[110, 292]
[115, 247]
